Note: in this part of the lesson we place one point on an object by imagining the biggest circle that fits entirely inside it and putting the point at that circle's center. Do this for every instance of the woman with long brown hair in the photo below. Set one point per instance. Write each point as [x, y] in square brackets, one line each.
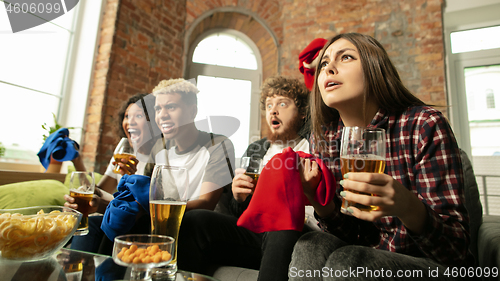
[419, 219]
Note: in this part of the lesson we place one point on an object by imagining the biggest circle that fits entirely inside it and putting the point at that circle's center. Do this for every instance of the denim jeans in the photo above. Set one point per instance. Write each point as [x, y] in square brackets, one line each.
[322, 256]
[208, 238]
[96, 240]
[90, 242]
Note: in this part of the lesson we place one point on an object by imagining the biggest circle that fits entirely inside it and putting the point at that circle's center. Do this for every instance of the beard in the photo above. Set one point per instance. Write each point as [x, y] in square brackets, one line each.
[289, 133]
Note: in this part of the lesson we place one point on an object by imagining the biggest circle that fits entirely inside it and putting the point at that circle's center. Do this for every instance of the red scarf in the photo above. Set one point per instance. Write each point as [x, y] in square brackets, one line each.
[308, 55]
[278, 201]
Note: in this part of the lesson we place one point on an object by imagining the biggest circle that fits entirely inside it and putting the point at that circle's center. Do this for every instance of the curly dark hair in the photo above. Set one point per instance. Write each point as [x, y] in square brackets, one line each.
[149, 101]
[288, 87]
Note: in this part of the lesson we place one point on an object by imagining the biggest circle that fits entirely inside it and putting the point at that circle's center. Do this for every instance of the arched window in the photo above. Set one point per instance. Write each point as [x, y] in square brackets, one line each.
[490, 98]
[227, 67]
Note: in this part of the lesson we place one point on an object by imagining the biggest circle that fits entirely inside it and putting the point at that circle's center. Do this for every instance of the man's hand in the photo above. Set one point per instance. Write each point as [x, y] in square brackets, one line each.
[242, 185]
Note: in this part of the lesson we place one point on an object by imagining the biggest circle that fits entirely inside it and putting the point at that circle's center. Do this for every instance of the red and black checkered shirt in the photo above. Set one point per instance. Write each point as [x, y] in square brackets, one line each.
[422, 154]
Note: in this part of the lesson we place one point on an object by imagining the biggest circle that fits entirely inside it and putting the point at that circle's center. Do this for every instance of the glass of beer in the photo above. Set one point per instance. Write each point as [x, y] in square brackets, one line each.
[252, 166]
[123, 151]
[362, 150]
[81, 187]
[168, 195]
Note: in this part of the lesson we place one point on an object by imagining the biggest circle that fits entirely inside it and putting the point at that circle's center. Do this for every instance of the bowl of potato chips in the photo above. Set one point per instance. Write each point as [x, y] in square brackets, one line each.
[35, 233]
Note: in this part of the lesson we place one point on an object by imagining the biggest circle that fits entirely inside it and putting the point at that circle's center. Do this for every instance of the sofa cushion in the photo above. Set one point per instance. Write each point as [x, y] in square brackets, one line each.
[32, 193]
[472, 202]
[232, 273]
[489, 242]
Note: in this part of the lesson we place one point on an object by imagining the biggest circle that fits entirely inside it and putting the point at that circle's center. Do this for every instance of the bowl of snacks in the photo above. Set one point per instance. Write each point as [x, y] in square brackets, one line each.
[142, 252]
[35, 233]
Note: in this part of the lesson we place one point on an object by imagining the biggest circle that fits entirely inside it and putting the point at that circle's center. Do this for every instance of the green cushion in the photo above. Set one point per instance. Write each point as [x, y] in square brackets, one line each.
[37, 193]
[32, 193]
[71, 169]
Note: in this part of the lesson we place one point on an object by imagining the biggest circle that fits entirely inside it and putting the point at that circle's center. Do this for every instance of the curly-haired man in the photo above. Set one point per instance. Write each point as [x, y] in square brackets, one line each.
[208, 238]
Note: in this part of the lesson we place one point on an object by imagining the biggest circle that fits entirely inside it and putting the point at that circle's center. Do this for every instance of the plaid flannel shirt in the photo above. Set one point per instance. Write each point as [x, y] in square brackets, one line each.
[423, 155]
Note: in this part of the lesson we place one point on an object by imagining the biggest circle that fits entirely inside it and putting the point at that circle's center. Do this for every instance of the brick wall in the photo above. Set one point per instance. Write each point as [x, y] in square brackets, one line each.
[411, 31]
[141, 43]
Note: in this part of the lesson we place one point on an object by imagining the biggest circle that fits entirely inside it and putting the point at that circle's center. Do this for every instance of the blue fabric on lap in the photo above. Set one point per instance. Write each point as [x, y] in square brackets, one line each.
[59, 146]
[121, 212]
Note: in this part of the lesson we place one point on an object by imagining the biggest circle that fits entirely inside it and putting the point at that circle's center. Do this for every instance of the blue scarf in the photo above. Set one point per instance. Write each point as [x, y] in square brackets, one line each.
[120, 215]
[59, 146]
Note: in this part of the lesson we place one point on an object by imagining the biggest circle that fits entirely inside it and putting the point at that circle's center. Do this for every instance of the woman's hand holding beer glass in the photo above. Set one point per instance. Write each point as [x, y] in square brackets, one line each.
[125, 160]
[81, 188]
[387, 195]
[246, 177]
[369, 194]
[362, 150]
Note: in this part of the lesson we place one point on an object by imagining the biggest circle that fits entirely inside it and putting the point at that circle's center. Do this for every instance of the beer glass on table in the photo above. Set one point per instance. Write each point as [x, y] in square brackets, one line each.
[123, 151]
[81, 187]
[252, 166]
[362, 150]
[168, 195]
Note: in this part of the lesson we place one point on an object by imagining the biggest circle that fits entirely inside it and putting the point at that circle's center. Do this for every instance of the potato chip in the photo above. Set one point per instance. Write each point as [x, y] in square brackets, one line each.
[27, 236]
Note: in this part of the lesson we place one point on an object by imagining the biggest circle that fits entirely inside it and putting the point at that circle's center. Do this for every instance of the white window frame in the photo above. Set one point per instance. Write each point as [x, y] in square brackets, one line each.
[78, 70]
[255, 76]
[456, 82]
[80, 67]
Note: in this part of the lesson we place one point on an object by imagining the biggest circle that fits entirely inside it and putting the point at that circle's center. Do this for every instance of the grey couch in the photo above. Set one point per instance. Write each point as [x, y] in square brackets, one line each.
[484, 230]
[485, 234]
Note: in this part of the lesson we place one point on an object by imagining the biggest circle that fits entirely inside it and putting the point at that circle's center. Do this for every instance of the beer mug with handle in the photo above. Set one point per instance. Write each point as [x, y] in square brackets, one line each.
[168, 196]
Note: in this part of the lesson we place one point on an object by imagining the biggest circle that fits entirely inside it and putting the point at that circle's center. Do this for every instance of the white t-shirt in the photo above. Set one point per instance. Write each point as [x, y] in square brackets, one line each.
[209, 159]
[302, 145]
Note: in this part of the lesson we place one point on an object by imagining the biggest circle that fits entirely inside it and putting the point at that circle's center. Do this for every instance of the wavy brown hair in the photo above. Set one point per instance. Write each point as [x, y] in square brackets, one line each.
[382, 83]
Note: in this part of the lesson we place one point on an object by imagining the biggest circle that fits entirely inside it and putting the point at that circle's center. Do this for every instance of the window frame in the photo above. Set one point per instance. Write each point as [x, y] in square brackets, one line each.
[78, 72]
[255, 76]
[457, 98]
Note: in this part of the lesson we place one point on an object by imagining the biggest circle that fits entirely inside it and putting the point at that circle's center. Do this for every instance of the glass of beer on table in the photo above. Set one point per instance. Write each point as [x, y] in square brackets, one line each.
[123, 151]
[362, 150]
[81, 187]
[168, 195]
[252, 166]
